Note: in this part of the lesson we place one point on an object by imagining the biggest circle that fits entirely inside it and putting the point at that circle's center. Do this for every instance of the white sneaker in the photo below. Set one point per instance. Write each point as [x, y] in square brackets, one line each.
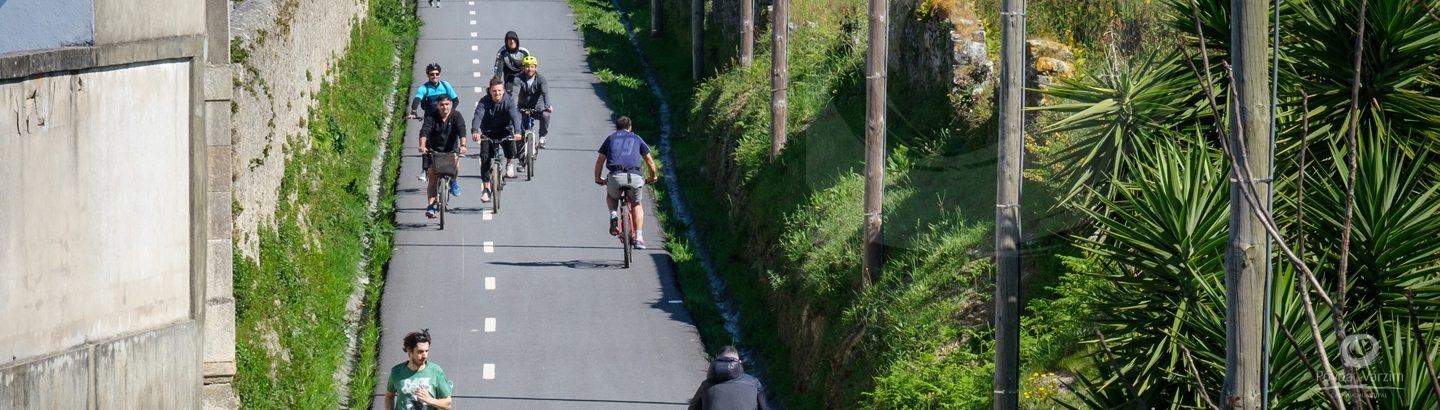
[421, 177]
[509, 169]
[542, 142]
[485, 196]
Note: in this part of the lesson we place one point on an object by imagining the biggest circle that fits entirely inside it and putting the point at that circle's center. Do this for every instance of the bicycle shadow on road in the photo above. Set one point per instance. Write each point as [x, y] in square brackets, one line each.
[572, 264]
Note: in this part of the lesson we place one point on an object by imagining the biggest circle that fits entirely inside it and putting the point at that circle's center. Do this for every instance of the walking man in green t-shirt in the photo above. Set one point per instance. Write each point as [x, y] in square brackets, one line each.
[417, 384]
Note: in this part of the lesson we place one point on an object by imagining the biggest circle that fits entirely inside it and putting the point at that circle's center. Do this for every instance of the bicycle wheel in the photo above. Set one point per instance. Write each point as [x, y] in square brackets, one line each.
[626, 226]
[497, 183]
[442, 199]
[530, 155]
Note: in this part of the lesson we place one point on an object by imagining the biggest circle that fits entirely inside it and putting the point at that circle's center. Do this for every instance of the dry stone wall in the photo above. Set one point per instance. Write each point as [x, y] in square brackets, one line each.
[283, 51]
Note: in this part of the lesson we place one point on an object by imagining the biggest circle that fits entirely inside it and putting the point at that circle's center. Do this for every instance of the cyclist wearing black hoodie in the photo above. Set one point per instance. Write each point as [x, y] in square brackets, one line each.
[727, 387]
[507, 60]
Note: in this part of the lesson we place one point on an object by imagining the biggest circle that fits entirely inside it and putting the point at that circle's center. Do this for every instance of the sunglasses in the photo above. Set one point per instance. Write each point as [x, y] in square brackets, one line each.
[433, 73]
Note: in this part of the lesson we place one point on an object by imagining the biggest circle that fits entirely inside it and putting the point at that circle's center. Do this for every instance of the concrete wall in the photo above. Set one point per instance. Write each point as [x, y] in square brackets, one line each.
[40, 24]
[106, 204]
[94, 223]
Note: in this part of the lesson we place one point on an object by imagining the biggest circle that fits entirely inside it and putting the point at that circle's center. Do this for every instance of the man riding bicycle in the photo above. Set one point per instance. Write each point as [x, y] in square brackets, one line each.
[507, 60]
[497, 119]
[533, 94]
[427, 96]
[443, 133]
[621, 154]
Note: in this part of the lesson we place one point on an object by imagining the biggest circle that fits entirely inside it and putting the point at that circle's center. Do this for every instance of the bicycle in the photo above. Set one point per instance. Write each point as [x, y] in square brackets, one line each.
[531, 149]
[444, 170]
[497, 170]
[625, 202]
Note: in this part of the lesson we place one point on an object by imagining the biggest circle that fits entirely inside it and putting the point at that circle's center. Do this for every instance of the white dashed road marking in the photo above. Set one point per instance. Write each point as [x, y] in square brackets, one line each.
[474, 61]
[484, 215]
[489, 247]
[490, 283]
[489, 325]
[472, 12]
[472, 22]
[477, 75]
[474, 48]
[474, 34]
[478, 90]
[489, 372]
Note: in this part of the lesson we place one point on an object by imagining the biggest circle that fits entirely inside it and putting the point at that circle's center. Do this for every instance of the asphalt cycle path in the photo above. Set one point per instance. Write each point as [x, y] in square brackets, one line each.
[530, 308]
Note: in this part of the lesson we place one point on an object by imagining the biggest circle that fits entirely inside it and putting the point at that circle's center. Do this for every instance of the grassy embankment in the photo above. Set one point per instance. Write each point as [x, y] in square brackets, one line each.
[291, 303]
[786, 233]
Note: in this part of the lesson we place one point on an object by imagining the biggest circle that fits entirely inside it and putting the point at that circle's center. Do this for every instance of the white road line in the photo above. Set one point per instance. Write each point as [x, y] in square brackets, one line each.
[489, 247]
[474, 48]
[473, 34]
[489, 372]
[477, 75]
[474, 61]
[472, 22]
[489, 325]
[485, 215]
[472, 12]
[478, 90]
[472, 3]
[489, 283]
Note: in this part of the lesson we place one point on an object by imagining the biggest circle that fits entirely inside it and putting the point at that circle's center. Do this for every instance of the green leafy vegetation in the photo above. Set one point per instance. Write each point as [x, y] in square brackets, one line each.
[291, 330]
[1156, 256]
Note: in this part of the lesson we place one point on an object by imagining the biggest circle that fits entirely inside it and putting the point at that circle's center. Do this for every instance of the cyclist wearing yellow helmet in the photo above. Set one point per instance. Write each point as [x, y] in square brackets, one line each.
[532, 93]
[507, 60]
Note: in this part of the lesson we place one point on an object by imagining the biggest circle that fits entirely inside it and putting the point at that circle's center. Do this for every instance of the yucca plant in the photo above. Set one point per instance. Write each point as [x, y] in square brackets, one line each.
[1110, 114]
[1164, 235]
[1393, 246]
[1398, 79]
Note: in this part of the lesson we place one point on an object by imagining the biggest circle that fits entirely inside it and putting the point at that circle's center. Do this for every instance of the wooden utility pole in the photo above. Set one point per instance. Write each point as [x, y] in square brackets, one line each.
[697, 40]
[1245, 258]
[655, 17]
[875, 100]
[1007, 205]
[779, 76]
[747, 33]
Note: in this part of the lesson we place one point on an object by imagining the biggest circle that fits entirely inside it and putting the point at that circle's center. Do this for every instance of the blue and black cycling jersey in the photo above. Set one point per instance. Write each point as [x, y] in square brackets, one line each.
[428, 95]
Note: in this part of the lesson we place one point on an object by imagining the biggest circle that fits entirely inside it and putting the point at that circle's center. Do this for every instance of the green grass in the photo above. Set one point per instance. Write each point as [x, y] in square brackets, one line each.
[785, 233]
[291, 301]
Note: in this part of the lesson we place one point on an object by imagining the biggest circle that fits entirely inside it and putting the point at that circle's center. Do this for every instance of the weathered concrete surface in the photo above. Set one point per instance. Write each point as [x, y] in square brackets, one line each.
[145, 370]
[103, 221]
[40, 24]
[123, 21]
[131, 373]
[94, 246]
[56, 382]
[277, 82]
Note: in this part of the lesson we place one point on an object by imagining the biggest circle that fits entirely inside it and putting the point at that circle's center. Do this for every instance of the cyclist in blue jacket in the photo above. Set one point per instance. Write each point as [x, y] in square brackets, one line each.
[621, 154]
[428, 96]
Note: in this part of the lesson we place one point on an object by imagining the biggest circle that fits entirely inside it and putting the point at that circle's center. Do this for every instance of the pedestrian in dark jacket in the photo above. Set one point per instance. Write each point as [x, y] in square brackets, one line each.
[727, 387]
